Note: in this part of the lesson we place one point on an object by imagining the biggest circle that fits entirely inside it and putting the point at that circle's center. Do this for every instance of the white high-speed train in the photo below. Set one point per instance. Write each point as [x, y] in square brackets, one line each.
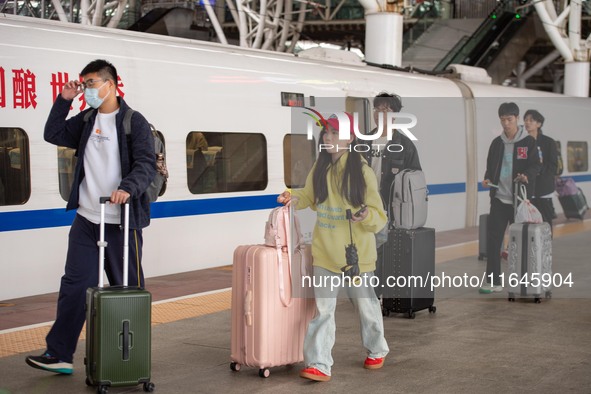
[240, 100]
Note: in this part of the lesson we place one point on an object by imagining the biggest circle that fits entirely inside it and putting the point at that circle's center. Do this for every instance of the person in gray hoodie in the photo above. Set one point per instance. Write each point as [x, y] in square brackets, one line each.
[512, 157]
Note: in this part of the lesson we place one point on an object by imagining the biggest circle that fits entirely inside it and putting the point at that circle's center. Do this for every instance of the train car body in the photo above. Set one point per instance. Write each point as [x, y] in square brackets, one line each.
[234, 97]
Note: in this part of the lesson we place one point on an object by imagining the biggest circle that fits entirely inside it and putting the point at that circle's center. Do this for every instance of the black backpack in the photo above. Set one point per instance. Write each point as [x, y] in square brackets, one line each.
[158, 185]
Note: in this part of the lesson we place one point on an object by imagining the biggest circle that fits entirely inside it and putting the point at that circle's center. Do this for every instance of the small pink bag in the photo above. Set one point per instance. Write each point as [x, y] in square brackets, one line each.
[278, 229]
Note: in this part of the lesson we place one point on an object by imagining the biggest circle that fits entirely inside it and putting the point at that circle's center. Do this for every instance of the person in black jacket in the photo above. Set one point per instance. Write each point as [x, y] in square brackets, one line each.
[512, 157]
[109, 164]
[396, 155]
[388, 158]
[548, 153]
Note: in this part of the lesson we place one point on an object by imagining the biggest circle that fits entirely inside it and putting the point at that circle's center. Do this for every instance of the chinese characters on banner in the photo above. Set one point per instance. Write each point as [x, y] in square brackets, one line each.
[24, 88]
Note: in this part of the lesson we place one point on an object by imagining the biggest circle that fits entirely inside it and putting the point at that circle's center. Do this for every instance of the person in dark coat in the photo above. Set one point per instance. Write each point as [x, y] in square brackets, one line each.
[512, 157]
[548, 153]
[109, 164]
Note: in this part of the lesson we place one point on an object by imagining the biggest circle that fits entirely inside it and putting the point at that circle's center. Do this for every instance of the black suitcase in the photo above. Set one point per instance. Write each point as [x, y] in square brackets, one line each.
[482, 234]
[408, 258]
[118, 327]
[574, 206]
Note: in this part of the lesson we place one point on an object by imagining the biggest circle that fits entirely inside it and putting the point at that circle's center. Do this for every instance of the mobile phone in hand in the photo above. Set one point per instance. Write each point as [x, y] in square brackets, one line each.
[358, 213]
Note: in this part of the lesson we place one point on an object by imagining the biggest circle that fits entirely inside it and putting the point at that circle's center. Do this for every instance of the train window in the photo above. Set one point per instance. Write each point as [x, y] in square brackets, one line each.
[66, 163]
[226, 162]
[299, 154]
[577, 156]
[15, 177]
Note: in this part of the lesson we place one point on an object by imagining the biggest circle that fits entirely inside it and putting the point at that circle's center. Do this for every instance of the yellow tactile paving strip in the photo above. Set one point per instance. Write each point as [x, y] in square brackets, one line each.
[191, 307]
[23, 341]
[455, 252]
[30, 339]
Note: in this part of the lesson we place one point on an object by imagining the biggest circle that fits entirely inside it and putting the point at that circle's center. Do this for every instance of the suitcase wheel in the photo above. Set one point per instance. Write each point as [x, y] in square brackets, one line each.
[88, 382]
[511, 297]
[264, 372]
[432, 309]
[411, 314]
[537, 300]
[102, 389]
[235, 367]
[385, 312]
[149, 387]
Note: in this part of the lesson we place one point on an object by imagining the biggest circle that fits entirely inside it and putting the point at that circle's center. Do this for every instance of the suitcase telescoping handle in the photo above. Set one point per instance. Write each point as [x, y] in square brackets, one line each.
[102, 244]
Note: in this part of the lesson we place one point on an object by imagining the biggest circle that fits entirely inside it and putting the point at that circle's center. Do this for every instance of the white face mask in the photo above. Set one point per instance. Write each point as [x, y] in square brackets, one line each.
[91, 95]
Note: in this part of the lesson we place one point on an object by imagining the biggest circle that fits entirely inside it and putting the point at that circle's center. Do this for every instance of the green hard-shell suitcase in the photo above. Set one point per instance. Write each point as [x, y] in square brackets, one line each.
[118, 328]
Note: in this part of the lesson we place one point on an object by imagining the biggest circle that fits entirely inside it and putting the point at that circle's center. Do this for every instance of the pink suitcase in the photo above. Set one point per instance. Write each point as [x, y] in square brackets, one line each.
[269, 325]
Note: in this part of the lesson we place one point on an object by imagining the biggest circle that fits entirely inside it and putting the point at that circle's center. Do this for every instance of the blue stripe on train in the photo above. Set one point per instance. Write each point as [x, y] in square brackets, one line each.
[577, 178]
[45, 218]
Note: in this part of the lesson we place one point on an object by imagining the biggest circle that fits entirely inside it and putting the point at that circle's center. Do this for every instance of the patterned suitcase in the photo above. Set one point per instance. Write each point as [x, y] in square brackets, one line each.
[270, 310]
[530, 261]
[408, 254]
[118, 328]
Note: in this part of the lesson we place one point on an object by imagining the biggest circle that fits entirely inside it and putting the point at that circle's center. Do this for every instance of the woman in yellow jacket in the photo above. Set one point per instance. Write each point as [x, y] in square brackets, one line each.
[341, 180]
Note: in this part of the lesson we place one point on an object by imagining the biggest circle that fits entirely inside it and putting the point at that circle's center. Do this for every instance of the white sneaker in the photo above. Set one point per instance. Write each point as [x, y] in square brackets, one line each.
[488, 289]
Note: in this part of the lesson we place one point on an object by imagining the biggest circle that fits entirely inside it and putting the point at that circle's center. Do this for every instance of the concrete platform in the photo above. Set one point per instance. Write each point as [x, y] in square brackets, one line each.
[473, 344]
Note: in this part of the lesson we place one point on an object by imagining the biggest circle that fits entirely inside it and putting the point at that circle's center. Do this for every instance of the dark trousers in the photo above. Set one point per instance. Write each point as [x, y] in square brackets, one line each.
[81, 272]
[546, 208]
[501, 215]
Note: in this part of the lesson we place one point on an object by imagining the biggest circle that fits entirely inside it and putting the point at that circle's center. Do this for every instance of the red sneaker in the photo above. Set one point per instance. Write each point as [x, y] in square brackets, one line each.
[314, 374]
[373, 363]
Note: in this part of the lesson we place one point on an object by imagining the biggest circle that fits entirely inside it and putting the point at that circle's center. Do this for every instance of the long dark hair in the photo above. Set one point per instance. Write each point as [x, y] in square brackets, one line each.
[352, 185]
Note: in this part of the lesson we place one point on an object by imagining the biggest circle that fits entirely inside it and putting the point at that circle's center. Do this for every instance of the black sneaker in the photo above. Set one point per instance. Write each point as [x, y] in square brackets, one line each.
[49, 363]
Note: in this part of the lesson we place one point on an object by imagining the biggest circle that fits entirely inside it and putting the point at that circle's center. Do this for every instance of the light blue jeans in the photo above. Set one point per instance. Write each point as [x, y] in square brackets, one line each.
[320, 337]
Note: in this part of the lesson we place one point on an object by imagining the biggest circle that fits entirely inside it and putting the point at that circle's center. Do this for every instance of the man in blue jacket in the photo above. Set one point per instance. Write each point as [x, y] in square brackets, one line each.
[109, 164]
[512, 157]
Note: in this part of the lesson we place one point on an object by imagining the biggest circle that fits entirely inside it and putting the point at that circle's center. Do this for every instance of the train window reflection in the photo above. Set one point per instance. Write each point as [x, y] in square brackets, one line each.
[66, 163]
[298, 158]
[560, 162]
[15, 176]
[577, 156]
[226, 162]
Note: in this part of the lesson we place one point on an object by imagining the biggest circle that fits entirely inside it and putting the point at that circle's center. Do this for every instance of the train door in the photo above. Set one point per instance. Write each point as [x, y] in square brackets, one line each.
[361, 107]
